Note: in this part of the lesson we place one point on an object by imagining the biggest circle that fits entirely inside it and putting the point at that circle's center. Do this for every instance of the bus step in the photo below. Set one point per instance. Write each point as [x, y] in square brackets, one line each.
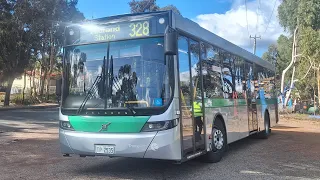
[192, 156]
[253, 132]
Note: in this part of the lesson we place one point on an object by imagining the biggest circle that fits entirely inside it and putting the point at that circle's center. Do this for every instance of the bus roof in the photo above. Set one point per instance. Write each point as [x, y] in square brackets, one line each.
[192, 28]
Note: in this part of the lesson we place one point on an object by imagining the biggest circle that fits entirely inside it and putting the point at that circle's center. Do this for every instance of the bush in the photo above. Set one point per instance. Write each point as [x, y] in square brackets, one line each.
[18, 99]
[52, 98]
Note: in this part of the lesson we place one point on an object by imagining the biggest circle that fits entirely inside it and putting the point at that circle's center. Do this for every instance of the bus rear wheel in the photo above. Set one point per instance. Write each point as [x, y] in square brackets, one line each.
[266, 132]
[219, 143]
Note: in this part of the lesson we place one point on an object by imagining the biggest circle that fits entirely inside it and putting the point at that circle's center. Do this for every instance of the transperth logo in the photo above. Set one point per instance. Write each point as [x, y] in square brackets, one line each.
[154, 146]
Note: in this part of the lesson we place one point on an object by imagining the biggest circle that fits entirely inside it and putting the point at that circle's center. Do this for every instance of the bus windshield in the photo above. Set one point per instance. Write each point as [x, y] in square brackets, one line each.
[134, 75]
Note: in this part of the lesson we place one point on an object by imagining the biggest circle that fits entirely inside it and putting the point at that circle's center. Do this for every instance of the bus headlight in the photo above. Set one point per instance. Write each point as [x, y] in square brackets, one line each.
[66, 125]
[160, 125]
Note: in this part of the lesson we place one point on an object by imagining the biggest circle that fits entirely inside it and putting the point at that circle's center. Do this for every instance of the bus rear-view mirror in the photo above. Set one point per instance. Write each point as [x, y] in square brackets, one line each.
[170, 42]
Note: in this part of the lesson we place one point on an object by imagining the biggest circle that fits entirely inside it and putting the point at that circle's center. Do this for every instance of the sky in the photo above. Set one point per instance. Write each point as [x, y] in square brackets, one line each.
[226, 18]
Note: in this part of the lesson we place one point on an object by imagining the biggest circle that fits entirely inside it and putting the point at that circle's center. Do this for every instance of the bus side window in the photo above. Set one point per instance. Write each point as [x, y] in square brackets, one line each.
[228, 75]
[211, 72]
[240, 82]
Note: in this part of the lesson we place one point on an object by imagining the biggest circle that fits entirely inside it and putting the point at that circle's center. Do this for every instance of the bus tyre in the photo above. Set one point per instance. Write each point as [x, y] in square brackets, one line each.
[219, 142]
[266, 132]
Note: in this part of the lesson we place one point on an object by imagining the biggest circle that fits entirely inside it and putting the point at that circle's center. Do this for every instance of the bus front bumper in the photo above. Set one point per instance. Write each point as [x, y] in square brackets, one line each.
[154, 145]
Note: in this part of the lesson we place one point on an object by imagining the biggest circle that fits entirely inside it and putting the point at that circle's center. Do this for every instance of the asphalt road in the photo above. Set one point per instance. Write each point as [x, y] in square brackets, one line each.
[29, 149]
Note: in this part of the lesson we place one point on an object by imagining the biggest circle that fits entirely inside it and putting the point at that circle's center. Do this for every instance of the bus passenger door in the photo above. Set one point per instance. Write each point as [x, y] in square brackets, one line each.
[251, 98]
[190, 115]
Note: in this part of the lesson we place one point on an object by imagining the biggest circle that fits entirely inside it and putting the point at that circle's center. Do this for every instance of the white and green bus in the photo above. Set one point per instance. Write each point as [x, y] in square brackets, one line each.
[157, 85]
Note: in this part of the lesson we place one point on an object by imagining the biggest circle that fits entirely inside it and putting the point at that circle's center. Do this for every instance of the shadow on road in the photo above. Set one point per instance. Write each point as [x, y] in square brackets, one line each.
[283, 155]
[28, 120]
[26, 129]
[30, 115]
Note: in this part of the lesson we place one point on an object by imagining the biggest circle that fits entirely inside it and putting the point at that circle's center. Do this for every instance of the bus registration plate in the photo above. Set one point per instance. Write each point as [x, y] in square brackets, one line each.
[105, 149]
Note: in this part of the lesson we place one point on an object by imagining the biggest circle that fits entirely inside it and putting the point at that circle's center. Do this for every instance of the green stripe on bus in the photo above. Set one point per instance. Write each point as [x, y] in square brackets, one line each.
[224, 102]
[118, 124]
[268, 101]
[233, 102]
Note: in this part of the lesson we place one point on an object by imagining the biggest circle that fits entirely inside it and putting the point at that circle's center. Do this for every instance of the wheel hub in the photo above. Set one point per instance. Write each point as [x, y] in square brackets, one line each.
[218, 139]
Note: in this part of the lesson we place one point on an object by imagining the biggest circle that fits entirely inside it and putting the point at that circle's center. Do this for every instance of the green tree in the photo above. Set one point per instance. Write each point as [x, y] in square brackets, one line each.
[170, 7]
[5, 8]
[304, 15]
[143, 6]
[271, 55]
[29, 28]
[279, 54]
[53, 16]
[16, 41]
[149, 6]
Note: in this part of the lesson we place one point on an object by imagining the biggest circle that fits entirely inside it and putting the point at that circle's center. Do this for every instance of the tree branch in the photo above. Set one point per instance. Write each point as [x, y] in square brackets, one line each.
[311, 66]
[297, 55]
[304, 75]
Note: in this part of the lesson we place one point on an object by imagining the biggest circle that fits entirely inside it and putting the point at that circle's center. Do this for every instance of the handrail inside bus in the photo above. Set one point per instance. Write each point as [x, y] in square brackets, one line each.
[141, 102]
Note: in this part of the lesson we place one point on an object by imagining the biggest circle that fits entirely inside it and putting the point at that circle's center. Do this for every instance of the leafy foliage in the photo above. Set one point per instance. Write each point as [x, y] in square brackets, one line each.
[29, 29]
[149, 6]
[304, 15]
[15, 39]
[279, 54]
[170, 7]
[143, 6]
[53, 15]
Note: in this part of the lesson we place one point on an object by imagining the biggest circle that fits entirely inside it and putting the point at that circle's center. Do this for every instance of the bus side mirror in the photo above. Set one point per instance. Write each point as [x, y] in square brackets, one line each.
[170, 42]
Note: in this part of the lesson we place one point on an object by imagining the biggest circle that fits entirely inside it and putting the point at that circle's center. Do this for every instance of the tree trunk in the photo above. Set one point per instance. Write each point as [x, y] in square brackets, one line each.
[291, 85]
[43, 80]
[24, 86]
[30, 84]
[318, 82]
[8, 91]
[291, 63]
[51, 61]
[48, 87]
[34, 86]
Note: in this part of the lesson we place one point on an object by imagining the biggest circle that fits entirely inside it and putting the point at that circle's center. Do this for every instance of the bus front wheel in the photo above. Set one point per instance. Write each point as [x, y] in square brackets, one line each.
[219, 143]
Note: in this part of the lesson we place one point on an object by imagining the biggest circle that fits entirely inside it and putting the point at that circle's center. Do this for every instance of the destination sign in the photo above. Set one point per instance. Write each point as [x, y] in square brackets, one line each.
[91, 33]
[120, 31]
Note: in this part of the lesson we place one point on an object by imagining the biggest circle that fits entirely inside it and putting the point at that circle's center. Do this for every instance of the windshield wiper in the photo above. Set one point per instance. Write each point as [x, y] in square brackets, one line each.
[98, 79]
[88, 94]
[130, 108]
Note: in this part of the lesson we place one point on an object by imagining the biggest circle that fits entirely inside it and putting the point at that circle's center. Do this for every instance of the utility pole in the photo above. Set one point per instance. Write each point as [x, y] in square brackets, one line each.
[255, 42]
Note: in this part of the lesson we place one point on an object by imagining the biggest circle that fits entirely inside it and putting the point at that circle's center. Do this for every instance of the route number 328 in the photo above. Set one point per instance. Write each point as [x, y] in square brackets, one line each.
[139, 29]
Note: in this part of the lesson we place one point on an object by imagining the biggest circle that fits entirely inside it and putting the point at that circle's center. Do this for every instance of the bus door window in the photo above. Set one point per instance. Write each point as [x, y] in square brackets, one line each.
[197, 89]
[185, 95]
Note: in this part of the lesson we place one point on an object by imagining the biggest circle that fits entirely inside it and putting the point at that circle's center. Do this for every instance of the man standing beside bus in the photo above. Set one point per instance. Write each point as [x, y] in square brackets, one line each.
[197, 114]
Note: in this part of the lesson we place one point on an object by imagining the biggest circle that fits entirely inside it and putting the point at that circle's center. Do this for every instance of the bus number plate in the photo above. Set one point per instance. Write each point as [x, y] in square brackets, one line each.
[105, 149]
